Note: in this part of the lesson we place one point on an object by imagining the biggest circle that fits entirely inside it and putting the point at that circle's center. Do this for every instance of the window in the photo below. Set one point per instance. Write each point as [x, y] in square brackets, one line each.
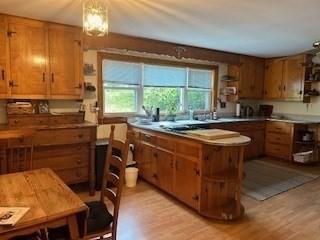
[128, 86]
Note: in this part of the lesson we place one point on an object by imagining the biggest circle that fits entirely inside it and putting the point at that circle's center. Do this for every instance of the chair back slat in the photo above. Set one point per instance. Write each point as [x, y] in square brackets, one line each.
[113, 178]
[116, 162]
[18, 150]
[111, 195]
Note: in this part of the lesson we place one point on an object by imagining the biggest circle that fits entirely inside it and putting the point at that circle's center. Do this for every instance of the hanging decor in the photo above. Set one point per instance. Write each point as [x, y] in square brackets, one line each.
[95, 18]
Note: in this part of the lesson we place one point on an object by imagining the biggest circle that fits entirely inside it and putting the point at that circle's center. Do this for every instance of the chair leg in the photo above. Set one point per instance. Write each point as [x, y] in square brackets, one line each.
[43, 234]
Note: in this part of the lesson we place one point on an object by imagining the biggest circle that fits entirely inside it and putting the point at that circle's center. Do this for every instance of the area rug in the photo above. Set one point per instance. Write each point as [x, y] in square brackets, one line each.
[264, 180]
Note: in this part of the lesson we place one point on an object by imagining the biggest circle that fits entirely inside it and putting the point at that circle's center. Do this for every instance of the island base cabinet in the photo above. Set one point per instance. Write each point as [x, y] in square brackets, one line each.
[205, 177]
[186, 181]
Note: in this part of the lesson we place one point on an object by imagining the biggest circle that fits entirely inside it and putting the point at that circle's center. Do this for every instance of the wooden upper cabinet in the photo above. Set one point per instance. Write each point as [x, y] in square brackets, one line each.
[246, 77]
[66, 57]
[273, 79]
[3, 58]
[284, 78]
[293, 77]
[251, 78]
[28, 58]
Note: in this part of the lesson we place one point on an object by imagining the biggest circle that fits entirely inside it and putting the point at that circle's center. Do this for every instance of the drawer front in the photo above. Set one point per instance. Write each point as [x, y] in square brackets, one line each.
[62, 136]
[148, 138]
[165, 143]
[278, 138]
[188, 150]
[279, 127]
[61, 157]
[27, 121]
[277, 150]
[66, 119]
[242, 127]
[20, 142]
[76, 175]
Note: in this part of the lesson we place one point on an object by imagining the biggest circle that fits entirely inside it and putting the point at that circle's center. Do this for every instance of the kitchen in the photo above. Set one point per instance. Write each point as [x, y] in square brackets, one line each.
[172, 96]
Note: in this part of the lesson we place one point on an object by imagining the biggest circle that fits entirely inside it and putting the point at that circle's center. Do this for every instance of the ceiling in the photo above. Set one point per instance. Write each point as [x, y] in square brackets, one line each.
[253, 27]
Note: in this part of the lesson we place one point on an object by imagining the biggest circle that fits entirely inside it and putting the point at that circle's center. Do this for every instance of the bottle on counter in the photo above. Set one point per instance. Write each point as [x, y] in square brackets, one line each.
[215, 114]
[238, 109]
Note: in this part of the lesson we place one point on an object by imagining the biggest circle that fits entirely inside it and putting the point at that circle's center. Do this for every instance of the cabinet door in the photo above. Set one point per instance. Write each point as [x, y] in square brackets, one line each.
[273, 79]
[165, 170]
[65, 48]
[28, 58]
[147, 163]
[258, 79]
[294, 72]
[247, 72]
[3, 58]
[256, 147]
[186, 181]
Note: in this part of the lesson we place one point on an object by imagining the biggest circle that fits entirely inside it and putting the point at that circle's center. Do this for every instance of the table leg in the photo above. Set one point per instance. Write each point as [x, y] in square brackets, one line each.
[92, 172]
[73, 227]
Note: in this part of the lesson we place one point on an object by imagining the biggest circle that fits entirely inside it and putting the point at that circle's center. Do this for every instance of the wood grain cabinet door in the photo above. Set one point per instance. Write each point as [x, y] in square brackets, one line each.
[3, 58]
[65, 50]
[165, 161]
[258, 79]
[186, 181]
[28, 58]
[246, 77]
[147, 163]
[273, 79]
[293, 77]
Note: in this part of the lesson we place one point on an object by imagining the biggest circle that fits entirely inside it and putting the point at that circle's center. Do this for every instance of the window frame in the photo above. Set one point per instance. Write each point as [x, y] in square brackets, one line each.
[121, 117]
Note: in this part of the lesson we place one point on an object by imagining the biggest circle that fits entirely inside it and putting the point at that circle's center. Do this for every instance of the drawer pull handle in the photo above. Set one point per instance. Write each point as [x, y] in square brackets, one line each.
[80, 135]
[79, 161]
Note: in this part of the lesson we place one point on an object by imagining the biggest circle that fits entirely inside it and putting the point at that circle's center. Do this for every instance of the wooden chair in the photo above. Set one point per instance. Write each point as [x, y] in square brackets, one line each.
[100, 221]
[16, 150]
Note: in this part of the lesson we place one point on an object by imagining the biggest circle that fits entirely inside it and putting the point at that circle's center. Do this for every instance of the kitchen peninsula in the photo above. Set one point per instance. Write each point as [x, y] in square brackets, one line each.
[204, 174]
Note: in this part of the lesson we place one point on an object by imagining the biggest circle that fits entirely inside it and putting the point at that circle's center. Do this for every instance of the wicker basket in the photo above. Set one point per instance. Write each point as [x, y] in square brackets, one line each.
[13, 108]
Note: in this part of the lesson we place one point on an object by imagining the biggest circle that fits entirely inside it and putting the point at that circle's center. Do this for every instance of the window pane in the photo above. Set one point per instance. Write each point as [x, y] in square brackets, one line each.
[200, 79]
[164, 98]
[121, 72]
[120, 100]
[199, 100]
[163, 76]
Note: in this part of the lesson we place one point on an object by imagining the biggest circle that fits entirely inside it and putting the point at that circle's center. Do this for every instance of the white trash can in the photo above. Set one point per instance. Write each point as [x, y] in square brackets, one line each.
[131, 176]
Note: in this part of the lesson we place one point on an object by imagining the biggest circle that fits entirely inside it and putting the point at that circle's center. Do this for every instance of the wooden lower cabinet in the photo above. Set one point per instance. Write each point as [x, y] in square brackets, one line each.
[161, 164]
[68, 147]
[255, 130]
[186, 181]
[164, 170]
[279, 140]
[205, 177]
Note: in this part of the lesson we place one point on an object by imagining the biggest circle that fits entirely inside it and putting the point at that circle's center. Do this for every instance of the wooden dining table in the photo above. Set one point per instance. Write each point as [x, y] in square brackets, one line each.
[52, 203]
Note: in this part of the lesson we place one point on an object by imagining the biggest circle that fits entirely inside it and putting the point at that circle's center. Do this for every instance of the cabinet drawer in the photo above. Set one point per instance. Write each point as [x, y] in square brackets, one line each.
[62, 136]
[278, 150]
[27, 121]
[68, 119]
[61, 157]
[278, 138]
[279, 127]
[76, 175]
[189, 150]
[149, 138]
[165, 143]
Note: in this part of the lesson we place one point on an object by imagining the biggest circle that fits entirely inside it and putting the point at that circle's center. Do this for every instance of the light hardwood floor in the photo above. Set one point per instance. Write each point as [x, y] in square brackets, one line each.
[149, 214]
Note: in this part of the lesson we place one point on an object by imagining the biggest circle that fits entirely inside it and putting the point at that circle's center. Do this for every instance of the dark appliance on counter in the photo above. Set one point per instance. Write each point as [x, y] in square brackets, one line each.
[265, 110]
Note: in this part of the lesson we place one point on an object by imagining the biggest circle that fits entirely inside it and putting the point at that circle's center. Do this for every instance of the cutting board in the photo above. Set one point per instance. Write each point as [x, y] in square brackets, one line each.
[213, 134]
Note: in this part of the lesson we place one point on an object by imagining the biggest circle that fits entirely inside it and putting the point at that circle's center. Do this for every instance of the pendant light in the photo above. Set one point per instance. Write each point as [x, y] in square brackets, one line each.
[95, 18]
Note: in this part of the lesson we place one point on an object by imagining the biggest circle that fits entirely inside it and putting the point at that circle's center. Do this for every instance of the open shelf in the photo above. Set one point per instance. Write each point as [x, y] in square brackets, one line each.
[230, 175]
[311, 81]
[311, 143]
[227, 211]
